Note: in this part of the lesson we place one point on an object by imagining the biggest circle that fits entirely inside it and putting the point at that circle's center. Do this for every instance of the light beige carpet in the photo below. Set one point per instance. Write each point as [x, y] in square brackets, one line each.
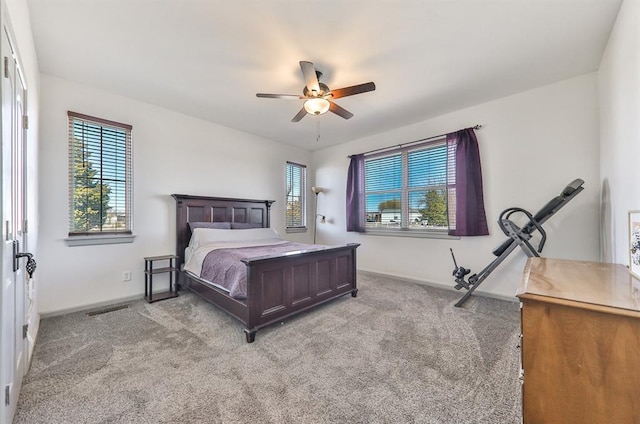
[398, 353]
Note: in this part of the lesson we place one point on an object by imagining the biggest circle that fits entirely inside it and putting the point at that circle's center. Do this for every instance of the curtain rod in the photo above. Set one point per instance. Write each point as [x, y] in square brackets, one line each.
[477, 127]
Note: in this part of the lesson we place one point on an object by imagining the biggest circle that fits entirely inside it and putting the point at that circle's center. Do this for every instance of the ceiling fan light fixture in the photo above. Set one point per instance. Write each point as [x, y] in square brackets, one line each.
[317, 106]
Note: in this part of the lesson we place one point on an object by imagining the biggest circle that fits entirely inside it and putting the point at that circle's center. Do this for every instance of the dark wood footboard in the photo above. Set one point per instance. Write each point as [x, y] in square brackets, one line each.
[284, 285]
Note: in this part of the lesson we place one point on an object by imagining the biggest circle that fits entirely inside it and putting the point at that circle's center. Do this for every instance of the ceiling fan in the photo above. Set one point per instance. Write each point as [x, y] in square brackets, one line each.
[318, 97]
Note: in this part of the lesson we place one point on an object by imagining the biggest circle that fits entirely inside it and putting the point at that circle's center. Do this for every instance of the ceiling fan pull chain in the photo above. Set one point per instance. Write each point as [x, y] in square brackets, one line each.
[318, 128]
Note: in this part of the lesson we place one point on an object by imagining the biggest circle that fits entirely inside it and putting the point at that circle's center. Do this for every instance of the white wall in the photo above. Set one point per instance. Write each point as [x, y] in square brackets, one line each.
[531, 144]
[173, 153]
[619, 90]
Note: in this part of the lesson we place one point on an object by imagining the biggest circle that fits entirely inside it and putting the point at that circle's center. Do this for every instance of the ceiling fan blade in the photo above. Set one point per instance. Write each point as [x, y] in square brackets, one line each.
[354, 89]
[280, 96]
[299, 116]
[310, 77]
[339, 111]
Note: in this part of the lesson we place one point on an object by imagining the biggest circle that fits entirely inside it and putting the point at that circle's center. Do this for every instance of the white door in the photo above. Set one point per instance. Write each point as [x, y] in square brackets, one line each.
[13, 294]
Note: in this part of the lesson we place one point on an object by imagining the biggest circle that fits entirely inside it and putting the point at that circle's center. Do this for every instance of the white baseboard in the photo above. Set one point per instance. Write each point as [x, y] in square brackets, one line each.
[112, 302]
[439, 285]
[374, 273]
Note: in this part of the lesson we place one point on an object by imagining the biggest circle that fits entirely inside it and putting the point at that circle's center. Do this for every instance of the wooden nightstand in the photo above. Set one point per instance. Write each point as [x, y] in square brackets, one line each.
[149, 272]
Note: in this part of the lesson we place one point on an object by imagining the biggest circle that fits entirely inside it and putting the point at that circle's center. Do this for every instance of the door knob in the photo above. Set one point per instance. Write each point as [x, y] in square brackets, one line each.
[31, 263]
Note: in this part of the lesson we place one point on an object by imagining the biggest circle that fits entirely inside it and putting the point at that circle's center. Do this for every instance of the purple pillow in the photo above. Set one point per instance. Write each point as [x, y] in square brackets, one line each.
[218, 225]
[244, 225]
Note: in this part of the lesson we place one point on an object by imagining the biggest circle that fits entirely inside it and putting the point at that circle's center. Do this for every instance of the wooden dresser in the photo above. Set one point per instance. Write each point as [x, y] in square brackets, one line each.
[580, 342]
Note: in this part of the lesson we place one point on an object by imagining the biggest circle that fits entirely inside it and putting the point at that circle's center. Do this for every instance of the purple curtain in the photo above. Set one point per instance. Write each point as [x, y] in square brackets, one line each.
[355, 194]
[470, 219]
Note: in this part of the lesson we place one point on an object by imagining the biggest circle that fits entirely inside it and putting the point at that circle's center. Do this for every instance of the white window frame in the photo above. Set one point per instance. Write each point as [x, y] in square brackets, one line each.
[102, 134]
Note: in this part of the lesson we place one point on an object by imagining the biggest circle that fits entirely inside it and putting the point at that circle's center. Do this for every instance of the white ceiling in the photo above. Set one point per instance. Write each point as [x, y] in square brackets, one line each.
[208, 58]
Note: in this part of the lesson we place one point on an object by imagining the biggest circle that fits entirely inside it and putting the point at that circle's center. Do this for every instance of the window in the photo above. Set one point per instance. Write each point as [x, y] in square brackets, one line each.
[100, 176]
[406, 189]
[296, 183]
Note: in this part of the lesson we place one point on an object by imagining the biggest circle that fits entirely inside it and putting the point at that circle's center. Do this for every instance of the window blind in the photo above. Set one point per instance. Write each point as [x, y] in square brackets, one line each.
[296, 183]
[100, 176]
[406, 188]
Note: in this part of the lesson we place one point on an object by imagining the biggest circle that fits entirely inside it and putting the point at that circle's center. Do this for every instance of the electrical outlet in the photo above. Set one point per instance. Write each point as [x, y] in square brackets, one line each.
[126, 276]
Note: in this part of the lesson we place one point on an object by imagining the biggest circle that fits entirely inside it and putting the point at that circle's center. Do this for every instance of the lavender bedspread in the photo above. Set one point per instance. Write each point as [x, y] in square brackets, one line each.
[224, 267]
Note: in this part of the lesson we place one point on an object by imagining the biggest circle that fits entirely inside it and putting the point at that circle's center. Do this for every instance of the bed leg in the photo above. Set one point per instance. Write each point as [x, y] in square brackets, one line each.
[251, 335]
[354, 293]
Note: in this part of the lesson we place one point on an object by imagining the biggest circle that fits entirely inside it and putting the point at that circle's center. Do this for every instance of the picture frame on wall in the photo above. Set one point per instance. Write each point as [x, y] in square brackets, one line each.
[634, 243]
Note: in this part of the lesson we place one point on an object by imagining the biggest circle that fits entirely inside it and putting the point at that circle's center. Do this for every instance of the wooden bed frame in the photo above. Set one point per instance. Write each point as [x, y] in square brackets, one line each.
[278, 286]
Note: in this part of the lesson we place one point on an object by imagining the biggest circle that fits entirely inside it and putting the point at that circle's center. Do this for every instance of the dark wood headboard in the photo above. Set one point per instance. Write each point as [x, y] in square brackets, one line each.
[216, 209]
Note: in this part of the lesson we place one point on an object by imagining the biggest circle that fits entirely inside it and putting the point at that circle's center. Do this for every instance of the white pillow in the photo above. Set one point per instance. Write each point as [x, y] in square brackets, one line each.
[201, 236]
